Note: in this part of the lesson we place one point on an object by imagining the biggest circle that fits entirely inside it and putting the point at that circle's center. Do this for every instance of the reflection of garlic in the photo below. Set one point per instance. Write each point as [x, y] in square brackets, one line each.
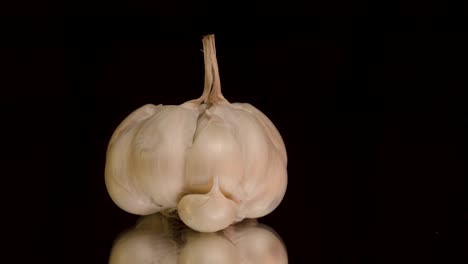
[148, 242]
[160, 240]
[216, 162]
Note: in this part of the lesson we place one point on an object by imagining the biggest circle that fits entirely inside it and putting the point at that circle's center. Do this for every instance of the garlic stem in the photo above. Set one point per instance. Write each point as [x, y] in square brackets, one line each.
[212, 91]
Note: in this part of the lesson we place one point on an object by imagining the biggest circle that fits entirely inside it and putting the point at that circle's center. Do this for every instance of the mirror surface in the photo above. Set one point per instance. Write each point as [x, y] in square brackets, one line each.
[161, 240]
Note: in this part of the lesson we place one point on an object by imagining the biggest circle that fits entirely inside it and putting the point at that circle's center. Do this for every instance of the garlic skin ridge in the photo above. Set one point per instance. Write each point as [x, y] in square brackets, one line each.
[213, 161]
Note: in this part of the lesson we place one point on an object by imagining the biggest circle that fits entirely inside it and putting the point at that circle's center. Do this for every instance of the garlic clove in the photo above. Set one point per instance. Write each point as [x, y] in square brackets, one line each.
[215, 153]
[269, 193]
[157, 155]
[263, 157]
[146, 154]
[207, 212]
[124, 190]
[268, 126]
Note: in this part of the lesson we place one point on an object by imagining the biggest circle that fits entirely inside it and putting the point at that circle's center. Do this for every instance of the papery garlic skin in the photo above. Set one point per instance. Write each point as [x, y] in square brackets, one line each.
[215, 162]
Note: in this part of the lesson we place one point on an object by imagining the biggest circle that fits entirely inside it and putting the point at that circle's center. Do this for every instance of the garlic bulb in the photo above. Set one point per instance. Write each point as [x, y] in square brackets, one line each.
[213, 161]
[159, 240]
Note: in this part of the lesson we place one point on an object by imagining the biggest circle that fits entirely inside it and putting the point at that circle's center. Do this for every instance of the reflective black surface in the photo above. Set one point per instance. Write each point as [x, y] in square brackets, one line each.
[157, 239]
[368, 99]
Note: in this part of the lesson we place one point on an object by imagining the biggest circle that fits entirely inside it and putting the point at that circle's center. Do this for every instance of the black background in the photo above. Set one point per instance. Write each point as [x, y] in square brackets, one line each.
[367, 97]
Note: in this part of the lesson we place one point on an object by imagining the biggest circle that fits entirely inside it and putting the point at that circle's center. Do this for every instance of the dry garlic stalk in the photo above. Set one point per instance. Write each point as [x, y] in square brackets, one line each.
[215, 162]
[156, 239]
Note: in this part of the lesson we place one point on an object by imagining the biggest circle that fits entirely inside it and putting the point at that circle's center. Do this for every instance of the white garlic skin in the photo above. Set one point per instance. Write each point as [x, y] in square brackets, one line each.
[215, 162]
